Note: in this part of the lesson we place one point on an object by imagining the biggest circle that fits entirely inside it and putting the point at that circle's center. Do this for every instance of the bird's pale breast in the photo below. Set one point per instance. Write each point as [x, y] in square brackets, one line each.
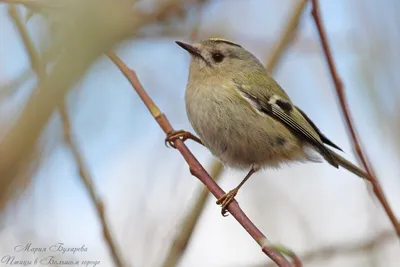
[236, 133]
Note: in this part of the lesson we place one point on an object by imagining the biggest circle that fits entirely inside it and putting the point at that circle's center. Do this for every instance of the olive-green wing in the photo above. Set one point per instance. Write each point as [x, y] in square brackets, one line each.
[284, 111]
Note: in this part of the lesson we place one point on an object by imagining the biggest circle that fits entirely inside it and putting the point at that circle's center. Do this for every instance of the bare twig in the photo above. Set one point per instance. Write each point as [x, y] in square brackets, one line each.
[15, 176]
[39, 68]
[287, 35]
[346, 248]
[36, 65]
[346, 112]
[196, 168]
[88, 182]
[350, 248]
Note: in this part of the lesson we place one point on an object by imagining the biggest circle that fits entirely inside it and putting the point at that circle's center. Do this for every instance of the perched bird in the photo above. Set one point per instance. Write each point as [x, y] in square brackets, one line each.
[244, 117]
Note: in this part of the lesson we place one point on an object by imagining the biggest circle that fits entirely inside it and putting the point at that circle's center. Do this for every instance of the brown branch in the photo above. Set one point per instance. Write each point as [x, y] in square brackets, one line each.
[39, 68]
[346, 112]
[196, 168]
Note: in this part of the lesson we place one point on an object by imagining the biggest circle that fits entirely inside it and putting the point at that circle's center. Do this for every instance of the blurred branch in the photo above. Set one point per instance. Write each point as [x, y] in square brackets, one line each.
[196, 168]
[166, 9]
[287, 35]
[344, 249]
[15, 178]
[101, 25]
[39, 68]
[37, 5]
[194, 35]
[346, 112]
[189, 223]
[88, 182]
[162, 12]
[36, 63]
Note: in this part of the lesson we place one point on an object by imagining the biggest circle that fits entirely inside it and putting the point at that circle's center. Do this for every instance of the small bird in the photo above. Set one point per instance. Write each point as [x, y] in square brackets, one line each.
[244, 117]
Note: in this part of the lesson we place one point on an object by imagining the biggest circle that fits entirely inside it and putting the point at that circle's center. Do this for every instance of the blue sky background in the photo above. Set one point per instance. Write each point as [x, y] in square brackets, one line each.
[147, 188]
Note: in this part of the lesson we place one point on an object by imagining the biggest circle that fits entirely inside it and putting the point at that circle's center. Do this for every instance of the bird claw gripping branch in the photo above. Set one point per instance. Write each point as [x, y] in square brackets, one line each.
[181, 134]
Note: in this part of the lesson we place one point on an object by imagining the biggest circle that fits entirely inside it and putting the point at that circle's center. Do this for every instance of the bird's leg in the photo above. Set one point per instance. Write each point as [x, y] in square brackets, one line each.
[181, 134]
[226, 199]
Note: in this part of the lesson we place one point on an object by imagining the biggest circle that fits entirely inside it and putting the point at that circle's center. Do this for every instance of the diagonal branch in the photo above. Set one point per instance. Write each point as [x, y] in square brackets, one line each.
[88, 182]
[287, 35]
[345, 249]
[39, 68]
[197, 169]
[349, 122]
[108, 25]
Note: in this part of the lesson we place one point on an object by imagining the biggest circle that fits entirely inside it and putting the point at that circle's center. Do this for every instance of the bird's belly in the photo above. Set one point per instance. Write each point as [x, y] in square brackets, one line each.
[250, 143]
[240, 136]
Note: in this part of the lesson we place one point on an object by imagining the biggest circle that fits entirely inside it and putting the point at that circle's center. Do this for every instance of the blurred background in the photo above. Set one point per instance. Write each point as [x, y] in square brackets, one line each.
[327, 216]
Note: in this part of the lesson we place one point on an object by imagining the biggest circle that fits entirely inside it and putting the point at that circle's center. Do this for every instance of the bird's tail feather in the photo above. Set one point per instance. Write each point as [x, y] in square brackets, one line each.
[349, 166]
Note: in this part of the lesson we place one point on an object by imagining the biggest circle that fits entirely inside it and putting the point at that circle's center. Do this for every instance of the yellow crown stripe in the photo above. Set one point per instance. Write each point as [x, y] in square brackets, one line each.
[223, 41]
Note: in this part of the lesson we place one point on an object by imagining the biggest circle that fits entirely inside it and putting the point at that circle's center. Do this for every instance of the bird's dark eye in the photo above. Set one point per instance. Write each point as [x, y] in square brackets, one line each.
[218, 57]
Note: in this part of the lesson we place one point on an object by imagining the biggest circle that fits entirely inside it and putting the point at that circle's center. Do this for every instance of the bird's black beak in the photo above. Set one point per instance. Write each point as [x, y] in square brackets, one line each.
[192, 50]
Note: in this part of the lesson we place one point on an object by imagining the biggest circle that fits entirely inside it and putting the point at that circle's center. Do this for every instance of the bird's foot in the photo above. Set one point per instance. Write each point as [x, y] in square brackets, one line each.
[181, 134]
[225, 200]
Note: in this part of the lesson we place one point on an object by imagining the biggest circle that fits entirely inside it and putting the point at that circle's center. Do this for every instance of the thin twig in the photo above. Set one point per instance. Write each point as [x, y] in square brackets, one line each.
[16, 176]
[351, 248]
[346, 112]
[286, 35]
[39, 68]
[34, 57]
[345, 248]
[88, 182]
[196, 168]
